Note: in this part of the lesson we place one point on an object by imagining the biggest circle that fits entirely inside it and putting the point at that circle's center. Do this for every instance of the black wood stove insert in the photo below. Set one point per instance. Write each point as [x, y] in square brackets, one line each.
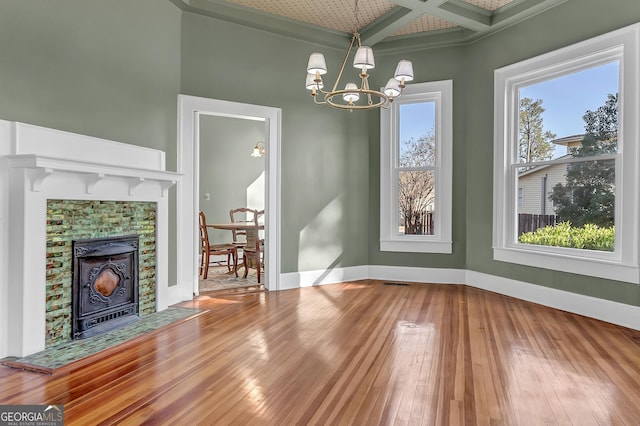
[105, 284]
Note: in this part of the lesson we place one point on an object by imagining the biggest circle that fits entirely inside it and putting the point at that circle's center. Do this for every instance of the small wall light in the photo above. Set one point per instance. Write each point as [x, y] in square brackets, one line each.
[258, 150]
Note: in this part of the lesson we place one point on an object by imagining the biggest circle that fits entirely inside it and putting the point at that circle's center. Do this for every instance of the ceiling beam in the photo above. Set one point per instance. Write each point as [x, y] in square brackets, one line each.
[385, 26]
[472, 18]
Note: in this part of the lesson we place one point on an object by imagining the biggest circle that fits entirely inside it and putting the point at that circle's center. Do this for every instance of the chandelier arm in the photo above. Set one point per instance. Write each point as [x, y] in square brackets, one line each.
[315, 100]
[344, 62]
[365, 87]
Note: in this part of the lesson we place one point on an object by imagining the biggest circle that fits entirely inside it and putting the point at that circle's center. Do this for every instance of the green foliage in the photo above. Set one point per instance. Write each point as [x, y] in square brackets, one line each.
[588, 195]
[587, 237]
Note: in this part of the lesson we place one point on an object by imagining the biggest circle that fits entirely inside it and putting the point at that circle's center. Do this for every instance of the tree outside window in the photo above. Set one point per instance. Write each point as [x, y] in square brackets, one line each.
[416, 186]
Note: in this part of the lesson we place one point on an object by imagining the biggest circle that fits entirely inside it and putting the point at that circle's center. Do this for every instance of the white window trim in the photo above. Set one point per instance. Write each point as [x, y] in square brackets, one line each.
[440, 92]
[622, 45]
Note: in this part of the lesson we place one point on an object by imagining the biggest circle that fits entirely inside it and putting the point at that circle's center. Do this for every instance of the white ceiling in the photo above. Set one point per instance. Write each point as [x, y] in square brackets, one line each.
[390, 24]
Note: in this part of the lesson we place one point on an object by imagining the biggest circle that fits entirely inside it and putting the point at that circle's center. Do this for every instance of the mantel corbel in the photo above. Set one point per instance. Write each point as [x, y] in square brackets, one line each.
[166, 185]
[38, 176]
[134, 183]
[91, 180]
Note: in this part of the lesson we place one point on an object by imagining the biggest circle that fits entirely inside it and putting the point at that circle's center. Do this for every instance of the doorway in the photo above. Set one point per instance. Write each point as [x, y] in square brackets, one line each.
[190, 110]
[231, 177]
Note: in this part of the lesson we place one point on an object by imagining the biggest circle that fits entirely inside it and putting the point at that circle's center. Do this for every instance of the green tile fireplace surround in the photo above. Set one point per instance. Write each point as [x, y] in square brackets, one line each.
[68, 220]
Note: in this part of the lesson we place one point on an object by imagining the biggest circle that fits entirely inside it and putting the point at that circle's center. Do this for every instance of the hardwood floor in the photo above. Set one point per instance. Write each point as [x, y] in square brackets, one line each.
[359, 353]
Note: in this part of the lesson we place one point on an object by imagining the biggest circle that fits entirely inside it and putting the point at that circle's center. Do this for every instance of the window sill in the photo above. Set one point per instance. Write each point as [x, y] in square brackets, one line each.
[420, 246]
[593, 267]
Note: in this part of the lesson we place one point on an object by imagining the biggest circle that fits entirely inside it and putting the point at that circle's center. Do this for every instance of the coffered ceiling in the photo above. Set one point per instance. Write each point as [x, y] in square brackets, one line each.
[393, 25]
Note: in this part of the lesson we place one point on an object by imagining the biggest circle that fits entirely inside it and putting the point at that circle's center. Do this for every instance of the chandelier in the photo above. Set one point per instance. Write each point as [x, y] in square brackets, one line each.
[354, 97]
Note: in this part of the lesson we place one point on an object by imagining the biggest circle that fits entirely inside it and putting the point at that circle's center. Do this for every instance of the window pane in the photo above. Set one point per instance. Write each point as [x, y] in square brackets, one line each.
[555, 115]
[571, 204]
[417, 134]
[416, 198]
[574, 201]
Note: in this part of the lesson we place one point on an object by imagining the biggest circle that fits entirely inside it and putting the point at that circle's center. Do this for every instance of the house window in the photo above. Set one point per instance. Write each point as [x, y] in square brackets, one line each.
[570, 118]
[416, 170]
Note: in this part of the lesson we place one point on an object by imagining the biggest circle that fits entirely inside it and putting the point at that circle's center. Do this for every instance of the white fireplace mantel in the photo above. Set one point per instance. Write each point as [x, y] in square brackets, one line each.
[92, 173]
[38, 164]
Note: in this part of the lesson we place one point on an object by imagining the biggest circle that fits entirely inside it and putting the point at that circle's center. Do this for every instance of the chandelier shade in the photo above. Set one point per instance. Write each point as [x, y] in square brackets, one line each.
[317, 64]
[354, 96]
[351, 94]
[364, 58]
[311, 84]
[392, 88]
[404, 71]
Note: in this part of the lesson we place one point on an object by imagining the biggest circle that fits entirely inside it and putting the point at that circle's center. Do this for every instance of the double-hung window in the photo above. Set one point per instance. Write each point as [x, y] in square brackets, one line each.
[416, 170]
[566, 158]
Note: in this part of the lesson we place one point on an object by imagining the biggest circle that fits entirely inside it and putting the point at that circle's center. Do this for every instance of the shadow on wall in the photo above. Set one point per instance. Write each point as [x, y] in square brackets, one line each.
[320, 241]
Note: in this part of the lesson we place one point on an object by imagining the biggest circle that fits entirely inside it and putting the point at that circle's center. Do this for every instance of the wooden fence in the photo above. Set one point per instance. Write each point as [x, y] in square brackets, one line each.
[419, 224]
[531, 222]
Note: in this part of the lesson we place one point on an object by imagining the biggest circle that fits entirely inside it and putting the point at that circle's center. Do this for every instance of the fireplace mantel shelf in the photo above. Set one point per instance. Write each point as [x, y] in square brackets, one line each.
[44, 167]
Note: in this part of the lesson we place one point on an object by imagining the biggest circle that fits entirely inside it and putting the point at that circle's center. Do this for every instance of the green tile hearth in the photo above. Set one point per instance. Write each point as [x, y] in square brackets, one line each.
[65, 353]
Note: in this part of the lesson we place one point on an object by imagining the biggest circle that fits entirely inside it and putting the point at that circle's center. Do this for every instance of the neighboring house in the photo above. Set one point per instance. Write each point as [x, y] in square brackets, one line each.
[536, 184]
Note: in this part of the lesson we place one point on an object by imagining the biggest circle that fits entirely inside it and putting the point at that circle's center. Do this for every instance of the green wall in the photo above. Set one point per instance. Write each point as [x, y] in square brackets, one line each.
[471, 67]
[113, 69]
[570, 22]
[325, 153]
[109, 69]
[228, 172]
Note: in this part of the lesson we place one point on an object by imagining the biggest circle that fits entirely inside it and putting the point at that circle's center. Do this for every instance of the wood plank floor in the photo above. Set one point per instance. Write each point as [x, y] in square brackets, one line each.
[358, 353]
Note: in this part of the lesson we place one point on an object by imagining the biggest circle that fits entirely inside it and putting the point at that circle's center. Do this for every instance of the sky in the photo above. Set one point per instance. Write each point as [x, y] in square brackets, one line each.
[416, 119]
[564, 99]
[567, 98]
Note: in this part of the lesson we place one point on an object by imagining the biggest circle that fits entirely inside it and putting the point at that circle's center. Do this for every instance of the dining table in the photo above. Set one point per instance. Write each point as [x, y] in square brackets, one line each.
[248, 226]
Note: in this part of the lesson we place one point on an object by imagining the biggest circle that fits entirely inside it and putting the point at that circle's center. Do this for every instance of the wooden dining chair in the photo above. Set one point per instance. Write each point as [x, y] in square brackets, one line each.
[207, 250]
[239, 237]
[253, 251]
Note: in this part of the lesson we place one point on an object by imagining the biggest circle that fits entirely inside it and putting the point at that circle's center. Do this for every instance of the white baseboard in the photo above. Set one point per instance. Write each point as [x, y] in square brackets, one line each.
[417, 275]
[293, 280]
[601, 309]
[593, 307]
